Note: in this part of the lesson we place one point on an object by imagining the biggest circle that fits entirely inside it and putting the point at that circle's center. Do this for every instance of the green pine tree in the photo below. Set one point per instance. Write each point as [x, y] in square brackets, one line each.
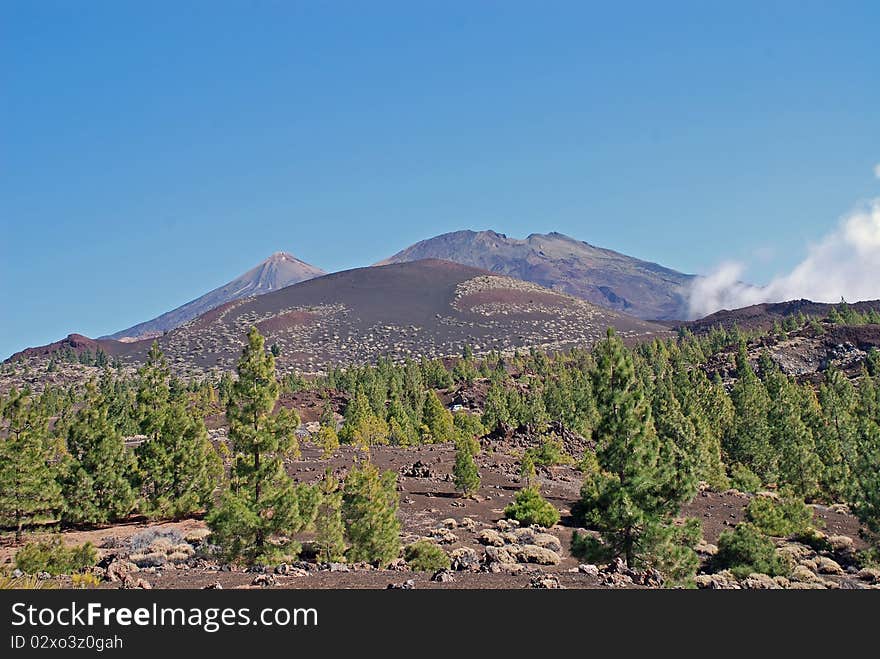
[465, 472]
[437, 419]
[329, 526]
[641, 484]
[28, 487]
[257, 516]
[369, 510]
[96, 483]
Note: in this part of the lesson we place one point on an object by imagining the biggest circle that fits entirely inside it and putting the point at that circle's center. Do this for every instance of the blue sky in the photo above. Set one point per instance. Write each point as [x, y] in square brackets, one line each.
[152, 151]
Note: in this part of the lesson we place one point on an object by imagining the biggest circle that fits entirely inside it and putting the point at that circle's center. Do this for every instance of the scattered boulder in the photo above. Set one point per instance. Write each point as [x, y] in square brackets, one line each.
[803, 574]
[443, 576]
[468, 524]
[706, 549]
[418, 469]
[409, 584]
[869, 574]
[825, 565]
[588, 568]
[795, 551]
[131, 582]
[444, 536]
[464, 558]
[449, 523]
[841, 543]
[491, 537]
[807, 585]
[548, 541]
[757, 581]
[117, 570]
[263, 580]
[536, 554]
[545, 582]
[506, 524]
[723, 580]
[500, 554]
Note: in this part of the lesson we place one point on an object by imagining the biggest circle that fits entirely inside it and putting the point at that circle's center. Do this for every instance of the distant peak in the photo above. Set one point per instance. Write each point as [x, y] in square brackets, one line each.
[281, 256]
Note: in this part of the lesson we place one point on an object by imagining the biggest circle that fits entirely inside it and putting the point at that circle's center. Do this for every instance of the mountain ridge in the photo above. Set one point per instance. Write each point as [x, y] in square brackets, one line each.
[554, 260]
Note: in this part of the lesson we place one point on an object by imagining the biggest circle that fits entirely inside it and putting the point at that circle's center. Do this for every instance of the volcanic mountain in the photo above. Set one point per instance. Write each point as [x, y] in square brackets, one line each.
[279, 270]
[601, 276]
[428, 308]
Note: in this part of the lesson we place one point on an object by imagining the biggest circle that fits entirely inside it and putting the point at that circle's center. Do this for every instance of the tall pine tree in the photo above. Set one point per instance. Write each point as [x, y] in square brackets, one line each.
[257, 516]
[641, 483]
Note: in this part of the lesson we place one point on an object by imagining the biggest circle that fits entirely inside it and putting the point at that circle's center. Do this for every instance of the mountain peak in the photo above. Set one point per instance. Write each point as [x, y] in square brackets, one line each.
[559, 262]
[279, 270]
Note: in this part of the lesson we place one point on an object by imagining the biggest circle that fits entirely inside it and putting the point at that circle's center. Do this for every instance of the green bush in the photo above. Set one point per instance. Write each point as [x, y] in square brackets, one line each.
[550, 453]
[425, 556]
[529, 507]
[53, 557]
[782, 518]
[744, 479]
[589, 547]
[745, 550]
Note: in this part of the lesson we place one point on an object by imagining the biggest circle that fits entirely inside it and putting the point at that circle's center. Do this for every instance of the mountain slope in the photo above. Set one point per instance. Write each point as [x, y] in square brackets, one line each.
[277, 271]
[601, 276]
[426, 308]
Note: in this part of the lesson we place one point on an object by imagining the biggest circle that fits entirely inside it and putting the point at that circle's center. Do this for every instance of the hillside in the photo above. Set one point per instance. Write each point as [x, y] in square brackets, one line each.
[600, 276]
[426, 308]
[277, 271]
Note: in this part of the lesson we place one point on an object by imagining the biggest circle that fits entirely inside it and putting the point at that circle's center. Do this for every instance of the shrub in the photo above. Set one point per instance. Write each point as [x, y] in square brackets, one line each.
[550, 453]
[425, 556]
[529, 507]
[85, 580]
[744, 479]
[53, 557]
[782, 518]
[465, 472]
[589, 547]
[745, 550]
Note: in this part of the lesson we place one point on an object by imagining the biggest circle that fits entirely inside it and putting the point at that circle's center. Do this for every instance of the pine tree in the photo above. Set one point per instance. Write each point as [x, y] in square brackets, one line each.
[437, 419]
[362, 427]
[791, 437]
[748, 440]
[465, 472]
[28, 489]
[179, 468]
[96, 483]
[153, 392]
[329, 527]
[836, 437]
[257, 516]
[369, 510]
[633, 500]
[496, 414]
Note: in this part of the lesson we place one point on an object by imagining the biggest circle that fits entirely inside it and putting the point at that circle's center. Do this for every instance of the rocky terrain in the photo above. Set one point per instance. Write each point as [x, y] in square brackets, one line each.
[600, 276]
[427, 308]
[279, 270]
[486, 550]
[763, 316]
[805, 353]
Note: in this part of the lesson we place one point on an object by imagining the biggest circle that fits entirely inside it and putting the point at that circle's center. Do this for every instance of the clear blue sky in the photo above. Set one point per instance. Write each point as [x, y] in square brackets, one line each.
[150, 151]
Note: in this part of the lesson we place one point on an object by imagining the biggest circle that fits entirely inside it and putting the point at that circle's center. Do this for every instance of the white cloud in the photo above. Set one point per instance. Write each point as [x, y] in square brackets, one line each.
[845, 263]
[877, 170]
